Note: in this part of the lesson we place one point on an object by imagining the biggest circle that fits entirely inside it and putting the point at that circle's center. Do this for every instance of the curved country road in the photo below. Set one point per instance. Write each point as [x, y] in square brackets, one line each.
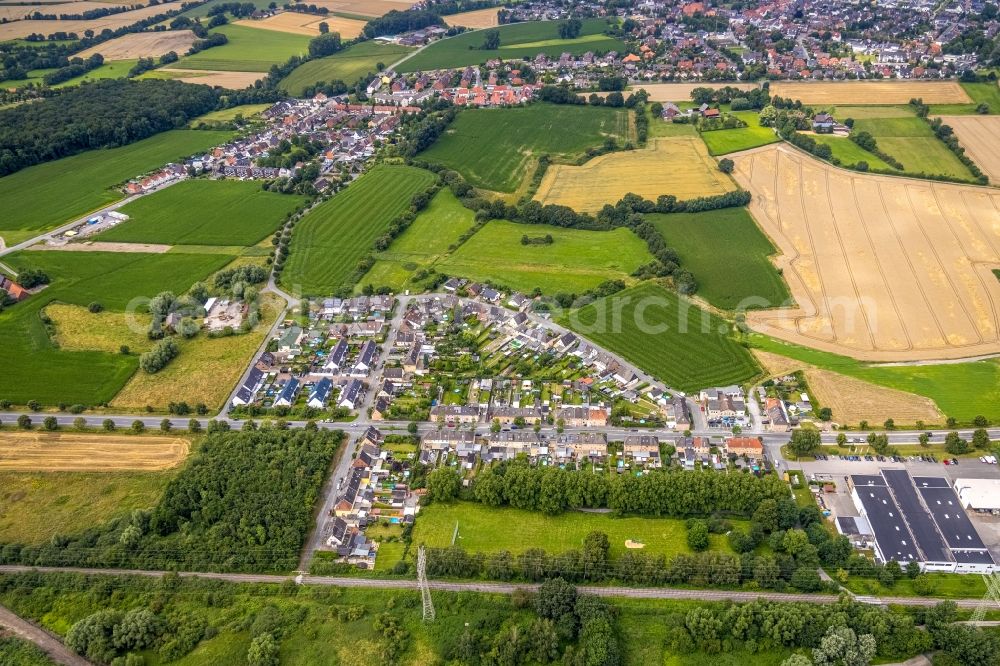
[48, 643]
[501, 588]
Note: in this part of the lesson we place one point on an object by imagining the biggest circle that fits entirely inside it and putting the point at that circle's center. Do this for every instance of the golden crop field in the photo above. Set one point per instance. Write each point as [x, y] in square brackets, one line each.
[143, 45]
[980, 136]
[871, 92]
[681, 92]
[13, 12]
[678, 165]
[882, 268]
[19, 29]
[208, 77]
[364, 7]
[480, 18]
[36, 451]
[853, 400]
[298, 23]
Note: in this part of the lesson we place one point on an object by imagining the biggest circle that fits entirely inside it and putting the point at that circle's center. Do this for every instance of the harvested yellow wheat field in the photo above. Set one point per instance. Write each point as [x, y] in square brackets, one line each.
[13, 12]
[980, 136]
[681, 92]
[871, 92]
[211, 77]
[89, 452]
[143, 45]
[882, 268]
[853, 400]
[19, 29]
[363, 7]
[480, 18]
[679, 166]
[298, 23]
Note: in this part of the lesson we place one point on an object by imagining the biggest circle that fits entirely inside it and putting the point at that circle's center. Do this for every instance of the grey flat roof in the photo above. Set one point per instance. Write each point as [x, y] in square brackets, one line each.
[893, 537]
[951, 519]
[867, 480]
[973, 556]
[930, 482]
[921, 523]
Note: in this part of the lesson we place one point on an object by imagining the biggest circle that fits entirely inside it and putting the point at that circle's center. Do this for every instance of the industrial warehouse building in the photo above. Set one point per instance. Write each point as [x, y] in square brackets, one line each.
[979, 494]
[919, 519]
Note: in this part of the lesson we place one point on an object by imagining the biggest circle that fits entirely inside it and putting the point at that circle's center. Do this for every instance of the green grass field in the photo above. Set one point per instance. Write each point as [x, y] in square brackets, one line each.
[721, 142]
[961, 390]
[348, 66]
[34, 369]
[986, 92]
[518, 40]
[334, 236]
[911, 141]
[117, 69]
[668, 337]
[47, 195]
[35, 506]
[202, 10]
[248, 50]
[245, 110]
[493, 147]
[850, 153]
[728, 254]
[489, 529]
[945, 586]
[204, 212]
[576, 261]
[436, 229]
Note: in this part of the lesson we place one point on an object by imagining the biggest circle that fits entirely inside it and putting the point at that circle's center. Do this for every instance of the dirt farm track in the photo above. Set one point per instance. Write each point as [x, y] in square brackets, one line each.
[882, 268]
[35, 451]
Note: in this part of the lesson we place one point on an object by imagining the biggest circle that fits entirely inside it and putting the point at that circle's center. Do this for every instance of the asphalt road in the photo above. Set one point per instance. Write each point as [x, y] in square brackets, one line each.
[499, 588]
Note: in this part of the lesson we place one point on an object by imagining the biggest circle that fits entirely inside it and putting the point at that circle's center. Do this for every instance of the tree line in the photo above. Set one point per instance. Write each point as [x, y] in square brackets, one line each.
[97, 115]
[243, 502]
[397, 21]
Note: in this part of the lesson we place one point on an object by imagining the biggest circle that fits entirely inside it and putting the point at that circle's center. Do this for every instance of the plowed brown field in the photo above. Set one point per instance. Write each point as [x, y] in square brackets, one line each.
[88, 452]
[882, 268]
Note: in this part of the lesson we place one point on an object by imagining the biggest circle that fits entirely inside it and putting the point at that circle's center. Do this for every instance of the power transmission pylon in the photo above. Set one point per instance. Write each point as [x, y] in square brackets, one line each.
[425, 590]
[991, 598]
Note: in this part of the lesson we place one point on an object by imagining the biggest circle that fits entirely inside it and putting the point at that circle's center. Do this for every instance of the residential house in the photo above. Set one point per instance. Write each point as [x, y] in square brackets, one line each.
[247, 392]
[288, 343]
[350, 395]
[750, 447]
[320, 393]
[365, 362]
[583, 417]
[286, 397]
[642, 450]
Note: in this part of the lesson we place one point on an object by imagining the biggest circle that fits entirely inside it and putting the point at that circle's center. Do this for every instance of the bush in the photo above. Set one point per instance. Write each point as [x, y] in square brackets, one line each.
[95, 307]
[159, 356]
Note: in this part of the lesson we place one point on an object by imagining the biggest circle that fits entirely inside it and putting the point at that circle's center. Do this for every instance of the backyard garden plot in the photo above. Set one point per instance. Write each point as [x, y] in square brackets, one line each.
[35, 369]
[334, 236]
[36, 505]
[434, 233]
[492, 148]
[517, 40]
[298, 23]
[248, 50]
[348, 65]
[46, 195]
[89, 452]
[871, 92]
[486, 529]
[204, 212]
[678, 166]
[575, 262]
[980, 136]
[670, 338]
[729, 256]
[871, 259]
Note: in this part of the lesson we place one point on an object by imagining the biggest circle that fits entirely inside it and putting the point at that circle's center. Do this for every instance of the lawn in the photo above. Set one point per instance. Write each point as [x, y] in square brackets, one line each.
[35, 506]
[248, 50]
[721, 142]
[575, 262]
[492, 148]
[204, 212]
[728, 254]
[205, 371]
[34, 369]
[666, 336]
[517, 41]
[489, 529]
[850, 153]
[330, 240]
[348, 65]
[434, 233]
[944, 585]
[986, 92]
[961, 390]
[911, 141]
[46, 195]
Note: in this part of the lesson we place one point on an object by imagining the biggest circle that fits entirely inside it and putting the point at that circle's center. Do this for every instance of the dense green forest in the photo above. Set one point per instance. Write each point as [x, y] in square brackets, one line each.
[101, 114]
[243, 502]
